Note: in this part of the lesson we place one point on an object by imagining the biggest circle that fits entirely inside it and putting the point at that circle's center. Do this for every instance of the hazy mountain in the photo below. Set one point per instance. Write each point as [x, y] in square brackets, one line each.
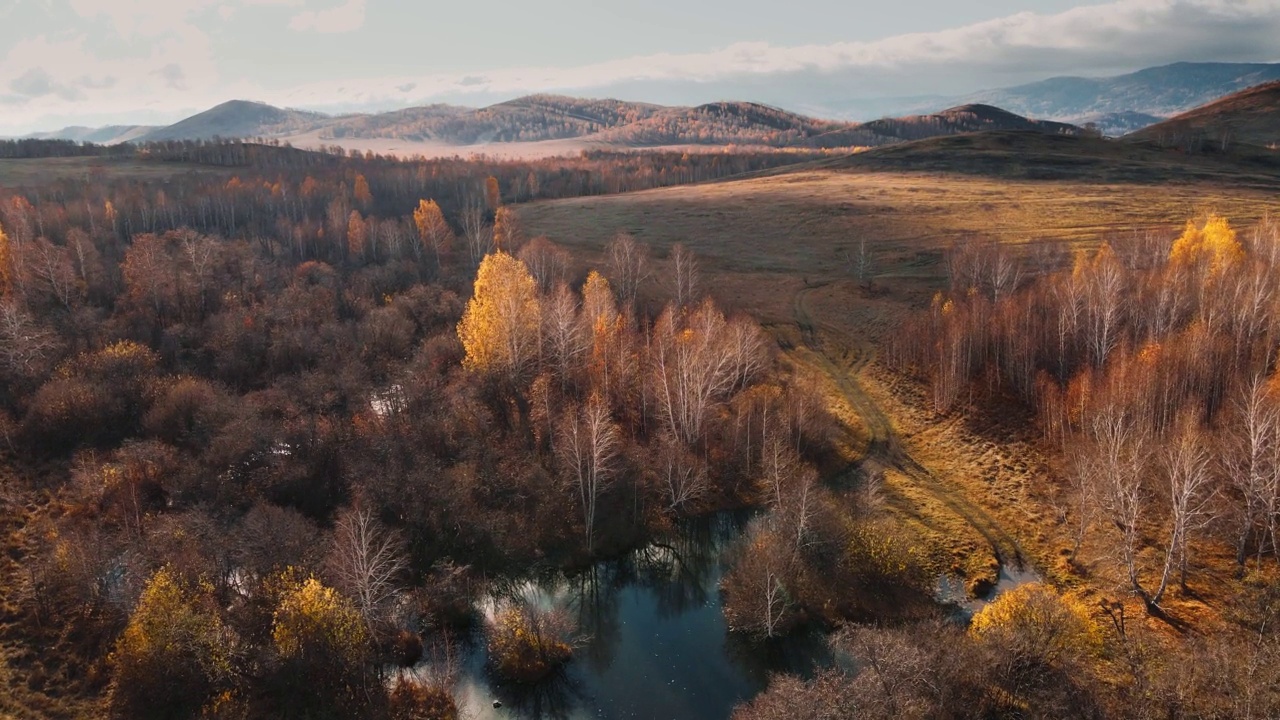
[108, 135]
[1250, 116]
[1160, 91]
[603, 123]
[238, 119]
[1116, 124]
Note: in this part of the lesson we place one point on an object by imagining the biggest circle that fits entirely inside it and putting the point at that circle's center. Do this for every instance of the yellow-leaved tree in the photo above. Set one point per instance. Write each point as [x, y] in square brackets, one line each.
[1032, 625]
[1213, 243]
[433, 229]
[499, 329]
[322, 639]
[175, 653]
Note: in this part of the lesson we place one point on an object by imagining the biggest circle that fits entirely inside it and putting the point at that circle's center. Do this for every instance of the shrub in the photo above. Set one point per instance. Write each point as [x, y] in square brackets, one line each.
[526, 644]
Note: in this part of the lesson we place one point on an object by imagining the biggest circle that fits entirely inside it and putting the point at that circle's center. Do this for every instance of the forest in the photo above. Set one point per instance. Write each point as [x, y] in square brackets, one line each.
[260, 441]
[276, 430]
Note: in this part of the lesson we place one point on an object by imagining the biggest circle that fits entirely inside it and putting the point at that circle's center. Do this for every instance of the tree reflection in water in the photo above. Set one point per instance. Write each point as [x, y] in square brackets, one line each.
[651, 637]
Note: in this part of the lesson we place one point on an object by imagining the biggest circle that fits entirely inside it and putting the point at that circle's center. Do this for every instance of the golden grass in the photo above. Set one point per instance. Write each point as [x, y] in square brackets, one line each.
[776, 245]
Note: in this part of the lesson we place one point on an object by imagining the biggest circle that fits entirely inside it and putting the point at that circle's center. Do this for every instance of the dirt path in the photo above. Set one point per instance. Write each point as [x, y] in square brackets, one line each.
[843, 358]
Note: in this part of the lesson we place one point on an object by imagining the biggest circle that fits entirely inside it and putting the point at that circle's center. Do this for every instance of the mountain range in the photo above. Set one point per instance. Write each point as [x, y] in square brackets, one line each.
[1115, 106]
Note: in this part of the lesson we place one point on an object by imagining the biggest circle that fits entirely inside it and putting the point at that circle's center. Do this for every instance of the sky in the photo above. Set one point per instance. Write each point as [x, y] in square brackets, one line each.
[96, 62]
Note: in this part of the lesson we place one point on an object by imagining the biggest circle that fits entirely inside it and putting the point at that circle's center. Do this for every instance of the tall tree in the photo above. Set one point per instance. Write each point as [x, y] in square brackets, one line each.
[588, 445]
[433, 230]
[499, 329]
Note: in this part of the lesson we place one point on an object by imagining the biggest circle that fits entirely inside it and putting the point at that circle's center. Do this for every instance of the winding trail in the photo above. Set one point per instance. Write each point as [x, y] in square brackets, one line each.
[843, 358]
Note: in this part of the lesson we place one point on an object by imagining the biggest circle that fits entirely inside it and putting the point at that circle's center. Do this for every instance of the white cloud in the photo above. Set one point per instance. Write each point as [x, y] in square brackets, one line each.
[1122, 35]
[347, 17]
[1100, 39]
[144, 18]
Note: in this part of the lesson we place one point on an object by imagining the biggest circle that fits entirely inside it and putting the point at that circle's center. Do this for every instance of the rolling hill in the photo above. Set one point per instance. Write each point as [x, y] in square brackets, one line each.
[962, 119]
[237, 119]
[597, 123]
[1251, 117]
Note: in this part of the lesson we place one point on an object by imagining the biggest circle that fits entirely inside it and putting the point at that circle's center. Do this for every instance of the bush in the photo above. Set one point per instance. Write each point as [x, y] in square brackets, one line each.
[526, 644]
[413, 700]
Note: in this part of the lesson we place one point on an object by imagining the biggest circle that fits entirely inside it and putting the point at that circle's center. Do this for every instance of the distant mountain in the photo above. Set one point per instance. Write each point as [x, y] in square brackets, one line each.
[598, 123]
[1116, 124]
[741, 123]
[237, 119]
[1160, 91]
[1250, 116]
[526, 119]
[109, 135]
[962, 119]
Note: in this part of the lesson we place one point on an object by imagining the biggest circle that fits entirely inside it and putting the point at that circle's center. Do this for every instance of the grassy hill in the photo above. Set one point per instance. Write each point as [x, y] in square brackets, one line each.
[237, 119]
[962, 119]
[1043, 156]
[1250, 117]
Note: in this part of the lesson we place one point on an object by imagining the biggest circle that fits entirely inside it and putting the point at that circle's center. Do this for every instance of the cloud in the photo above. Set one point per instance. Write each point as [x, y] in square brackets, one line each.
[1099, 39]
[141, 18]
[37, 83]
[167, 63]
[347, 17]
[173, 76]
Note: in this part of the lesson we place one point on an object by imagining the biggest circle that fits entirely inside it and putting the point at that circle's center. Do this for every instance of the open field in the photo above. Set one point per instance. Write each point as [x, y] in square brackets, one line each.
[538, 150]
[779, 245]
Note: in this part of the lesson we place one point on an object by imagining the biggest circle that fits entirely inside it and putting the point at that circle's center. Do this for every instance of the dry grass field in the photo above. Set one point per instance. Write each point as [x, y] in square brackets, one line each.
[778, 246]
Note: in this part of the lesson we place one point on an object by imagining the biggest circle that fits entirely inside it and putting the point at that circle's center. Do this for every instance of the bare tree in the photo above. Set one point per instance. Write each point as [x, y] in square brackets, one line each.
[588, 447]
[477, 232]
[1104, 305]
[1186, 466]
[25, 345]
[691, 369]
[547, 262]
[628, 267]
[757, 601]
[564, 337]
[683, 475]
[366, 561]
[51, 266]
[684, 275]
[1254, 435]
[1119, 459]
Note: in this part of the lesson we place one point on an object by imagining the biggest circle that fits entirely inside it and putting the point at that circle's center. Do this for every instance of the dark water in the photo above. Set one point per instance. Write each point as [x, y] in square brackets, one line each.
[655, 642]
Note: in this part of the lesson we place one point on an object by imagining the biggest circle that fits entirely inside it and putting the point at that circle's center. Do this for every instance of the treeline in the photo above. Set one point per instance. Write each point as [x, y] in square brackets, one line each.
[28, 148]
[276, 192]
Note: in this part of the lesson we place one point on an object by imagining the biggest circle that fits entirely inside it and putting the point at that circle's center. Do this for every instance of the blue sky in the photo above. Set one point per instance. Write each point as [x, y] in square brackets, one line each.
[98, 61]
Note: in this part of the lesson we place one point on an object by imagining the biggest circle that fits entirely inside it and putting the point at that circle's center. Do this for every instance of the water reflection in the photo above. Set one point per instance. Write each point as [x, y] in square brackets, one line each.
[653, 638]
[951, 589]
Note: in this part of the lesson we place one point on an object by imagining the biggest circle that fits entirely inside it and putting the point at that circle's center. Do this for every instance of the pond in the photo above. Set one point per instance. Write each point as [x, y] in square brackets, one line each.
[655, 643]
[654, 640]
